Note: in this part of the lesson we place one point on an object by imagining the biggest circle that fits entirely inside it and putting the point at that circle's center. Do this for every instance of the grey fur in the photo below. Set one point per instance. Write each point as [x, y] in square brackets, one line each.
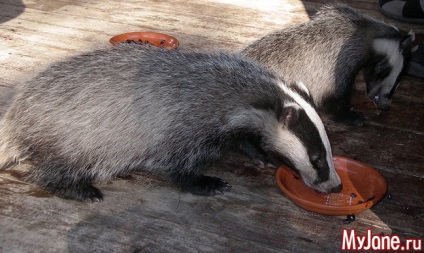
[327, 52]
[119, 109]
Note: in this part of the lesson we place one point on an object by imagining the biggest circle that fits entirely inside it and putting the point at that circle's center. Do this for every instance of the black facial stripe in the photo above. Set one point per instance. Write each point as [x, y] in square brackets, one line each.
[309, 135]
[382, 67]
[384, 72]
[294, 86]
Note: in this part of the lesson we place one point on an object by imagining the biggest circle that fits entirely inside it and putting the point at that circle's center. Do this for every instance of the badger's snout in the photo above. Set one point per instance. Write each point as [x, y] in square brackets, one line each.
[323, 188]
[337, 189]
[332, 184]
[382, 102]
[328, 188]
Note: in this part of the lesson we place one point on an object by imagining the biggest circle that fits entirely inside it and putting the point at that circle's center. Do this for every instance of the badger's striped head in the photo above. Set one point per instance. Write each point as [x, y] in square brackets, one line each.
[387, 65]
[301, 141]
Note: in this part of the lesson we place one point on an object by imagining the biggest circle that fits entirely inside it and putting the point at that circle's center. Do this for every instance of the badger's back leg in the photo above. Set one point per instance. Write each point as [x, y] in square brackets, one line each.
[64, 180]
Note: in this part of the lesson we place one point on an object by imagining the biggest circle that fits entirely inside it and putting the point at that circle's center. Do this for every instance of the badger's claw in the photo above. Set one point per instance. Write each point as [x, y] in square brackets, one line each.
[79, 192]
[209, 186]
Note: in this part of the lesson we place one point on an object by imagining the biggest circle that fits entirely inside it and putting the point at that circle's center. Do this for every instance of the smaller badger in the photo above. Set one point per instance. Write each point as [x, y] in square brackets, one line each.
[327, 52]
[116, 110]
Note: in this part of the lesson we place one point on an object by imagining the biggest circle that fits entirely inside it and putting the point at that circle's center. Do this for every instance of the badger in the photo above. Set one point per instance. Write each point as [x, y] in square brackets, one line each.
[116, 110]
[327, 52]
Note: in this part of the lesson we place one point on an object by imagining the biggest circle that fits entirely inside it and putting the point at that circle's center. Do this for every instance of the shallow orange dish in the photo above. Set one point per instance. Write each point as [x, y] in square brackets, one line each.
[152, 38]
[363, 187]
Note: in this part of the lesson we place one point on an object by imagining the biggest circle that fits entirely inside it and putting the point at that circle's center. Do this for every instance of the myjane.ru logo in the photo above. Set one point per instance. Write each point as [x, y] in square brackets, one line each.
[352, 241]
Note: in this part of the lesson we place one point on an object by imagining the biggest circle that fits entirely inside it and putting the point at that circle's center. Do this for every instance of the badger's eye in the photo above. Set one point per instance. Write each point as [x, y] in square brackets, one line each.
[382, 69]
[316, 160]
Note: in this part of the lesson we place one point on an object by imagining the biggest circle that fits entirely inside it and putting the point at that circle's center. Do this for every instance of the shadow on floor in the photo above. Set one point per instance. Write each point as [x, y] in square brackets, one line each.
[10, 9]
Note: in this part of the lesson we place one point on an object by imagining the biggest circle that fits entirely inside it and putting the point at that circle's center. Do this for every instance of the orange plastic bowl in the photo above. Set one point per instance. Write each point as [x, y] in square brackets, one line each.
[152, 38]
[363, 187]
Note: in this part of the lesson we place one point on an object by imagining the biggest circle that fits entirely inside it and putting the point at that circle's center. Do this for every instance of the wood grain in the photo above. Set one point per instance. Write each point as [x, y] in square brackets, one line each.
[144, 212]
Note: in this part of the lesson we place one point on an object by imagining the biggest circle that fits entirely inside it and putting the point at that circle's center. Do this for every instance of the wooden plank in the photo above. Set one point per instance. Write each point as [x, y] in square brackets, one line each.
[144, 212]
[83, 28]
[388, 148]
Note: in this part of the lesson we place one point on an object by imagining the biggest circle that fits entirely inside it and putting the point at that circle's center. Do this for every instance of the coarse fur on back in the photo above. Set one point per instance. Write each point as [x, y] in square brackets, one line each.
[120, 109]
[327, 52]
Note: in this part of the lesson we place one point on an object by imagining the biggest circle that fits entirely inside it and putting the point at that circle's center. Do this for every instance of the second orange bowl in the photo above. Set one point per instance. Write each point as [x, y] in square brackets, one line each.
[152, 38]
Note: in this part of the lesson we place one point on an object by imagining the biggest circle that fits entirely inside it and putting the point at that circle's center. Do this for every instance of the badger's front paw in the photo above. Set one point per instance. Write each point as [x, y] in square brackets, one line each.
[209, 186]
[356, 119]
[81, 192]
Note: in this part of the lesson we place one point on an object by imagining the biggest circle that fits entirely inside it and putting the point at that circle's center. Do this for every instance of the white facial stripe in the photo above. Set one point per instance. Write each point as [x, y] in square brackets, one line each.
[303, 87]
[390, 48]
[312, 114]
[296, 151]
[284, 141]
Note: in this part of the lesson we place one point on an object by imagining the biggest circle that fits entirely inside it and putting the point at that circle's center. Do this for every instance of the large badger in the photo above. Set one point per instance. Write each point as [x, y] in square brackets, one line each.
[327, 52]
[116, 110]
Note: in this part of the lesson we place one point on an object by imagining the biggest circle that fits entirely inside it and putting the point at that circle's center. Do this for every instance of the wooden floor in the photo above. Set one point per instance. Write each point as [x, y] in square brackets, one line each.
[143, 212]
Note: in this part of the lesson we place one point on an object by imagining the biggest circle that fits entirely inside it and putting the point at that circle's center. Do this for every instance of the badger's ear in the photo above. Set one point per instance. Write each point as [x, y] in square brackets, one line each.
[289, 115]
[406, 42]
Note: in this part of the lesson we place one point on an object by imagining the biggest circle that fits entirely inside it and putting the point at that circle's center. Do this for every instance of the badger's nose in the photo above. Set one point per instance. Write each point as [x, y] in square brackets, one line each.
[337, 189]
